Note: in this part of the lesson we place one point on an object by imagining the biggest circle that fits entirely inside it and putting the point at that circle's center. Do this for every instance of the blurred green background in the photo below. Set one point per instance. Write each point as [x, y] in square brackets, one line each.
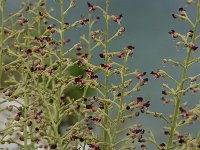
[147, 24]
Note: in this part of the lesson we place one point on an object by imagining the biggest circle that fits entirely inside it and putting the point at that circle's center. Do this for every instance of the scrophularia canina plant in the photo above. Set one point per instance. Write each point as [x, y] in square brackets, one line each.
[38, 78]
[182, 116]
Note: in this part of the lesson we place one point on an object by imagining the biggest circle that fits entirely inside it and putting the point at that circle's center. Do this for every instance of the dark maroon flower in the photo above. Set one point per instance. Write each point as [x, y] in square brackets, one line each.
[88, 118]
[166, 133]
[156, 75]
[89, 128]
[138, 100]
[84, 21]
[136, 130]
[91, 7]
[40, 50]
[162, 145]
[96, 120]
[140, 75]
[6, 32]
[81, 139]
[144, 81]
[130, 49]
[185, 113]
[194, 89]
[51, 26]
[74, 137]
[145, 105]
[174, 16]
[85, 56]
[89, 106]
[78, 80]
[41, 14]
[78, 55]
[182, 12]
[192, 46]
[17, 117]
[106, 66]
[141, 140]
[21, 138]
[164, 92]
[94, 34]
[120, 55]
[119, 94]
[117, 19]
[127, 107]
[66, 25]
[165, 100]
[27, 53]
[23, 22]
[143, 146]
[181, 139]
[37, 116]
[190, 33]
[89, 71]
[80, 63]
[94, 77]
[78, 47]
[101, 55]
[94, 147]
[173, 33]
[37, 129]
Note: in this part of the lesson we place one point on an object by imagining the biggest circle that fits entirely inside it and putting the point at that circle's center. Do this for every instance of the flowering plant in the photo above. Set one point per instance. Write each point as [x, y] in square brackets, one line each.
[41, 92]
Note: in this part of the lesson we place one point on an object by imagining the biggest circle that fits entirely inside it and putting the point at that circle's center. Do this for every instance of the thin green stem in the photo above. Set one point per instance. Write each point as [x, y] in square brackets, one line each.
[106, 73]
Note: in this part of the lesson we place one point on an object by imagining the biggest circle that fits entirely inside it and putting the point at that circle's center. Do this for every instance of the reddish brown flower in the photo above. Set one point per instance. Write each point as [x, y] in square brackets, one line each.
[66, 25]
[101, 55]
[79, 80]
[106, 66]
[190, 33]
[84, 21]
[173, 33]
[156, 75]
[174, 16]
[185, 113]
[145, 105]
[117, 19]
[91, 7]
[165, 100]
[27, 53]
[192, 46]
[96, 120]
[130, 49]
[23, 22]
[182, 12]
[140, 75]
[138, 100]
[120, 55]
[94, 77]
[162, 146]
[6, 32]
